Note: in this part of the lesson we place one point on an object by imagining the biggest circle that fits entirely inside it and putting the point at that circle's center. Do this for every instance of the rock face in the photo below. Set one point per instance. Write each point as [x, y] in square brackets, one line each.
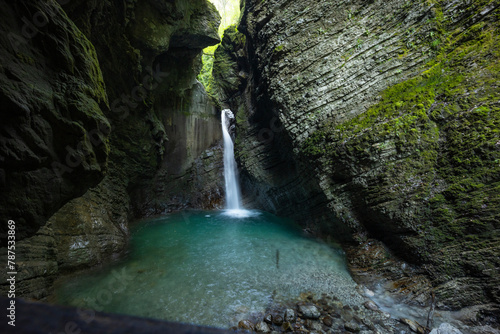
[376, 119]
[54, 135]
[102, 108]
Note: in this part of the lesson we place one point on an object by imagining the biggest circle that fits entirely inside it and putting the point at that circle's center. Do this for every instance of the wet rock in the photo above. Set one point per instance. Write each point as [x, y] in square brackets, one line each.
[289, 315]
[414, 326]
[369, 324]
[309, 311]
[369, 293]
[386, 315]
[336, 314]
[298, 328]
[346, 315]
[371, 305]
[352, 327]
[268, 319]
[287, 327]
[246, 324]
[445, 328]
[316, 326]
[262, 327]
[357, 318]
[328, 321]
[278, 320]
[484, 330]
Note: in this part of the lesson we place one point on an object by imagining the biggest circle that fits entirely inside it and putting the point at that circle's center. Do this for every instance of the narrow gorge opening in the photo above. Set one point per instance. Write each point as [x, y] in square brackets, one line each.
[230, 15]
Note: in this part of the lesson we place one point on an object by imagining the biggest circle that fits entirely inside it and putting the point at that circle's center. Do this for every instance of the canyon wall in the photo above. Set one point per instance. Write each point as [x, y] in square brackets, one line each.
[101, 110]
[376, 120]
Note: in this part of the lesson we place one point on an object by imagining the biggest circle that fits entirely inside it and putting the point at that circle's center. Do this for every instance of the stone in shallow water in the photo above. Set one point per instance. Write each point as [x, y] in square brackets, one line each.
[352, 326]
[328, 321]
[262, 327]
[309, 311]
[287, 327]
[278, 320]
[289, 315]
[371, 305]
[445, 328]
[246, 324]
[268, 319]
[414, 326]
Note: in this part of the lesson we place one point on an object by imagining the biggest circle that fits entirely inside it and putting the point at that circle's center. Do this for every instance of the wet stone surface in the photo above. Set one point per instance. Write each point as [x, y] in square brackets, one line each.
[324, 315]
[328, 315]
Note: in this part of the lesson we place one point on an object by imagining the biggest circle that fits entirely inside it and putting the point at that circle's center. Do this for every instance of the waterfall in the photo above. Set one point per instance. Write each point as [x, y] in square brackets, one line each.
[233, 201]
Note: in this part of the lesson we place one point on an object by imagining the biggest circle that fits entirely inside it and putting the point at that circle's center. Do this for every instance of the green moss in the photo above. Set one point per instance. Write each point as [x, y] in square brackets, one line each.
[441, 129]
[25, 58]
[279, 48]
[226, 79]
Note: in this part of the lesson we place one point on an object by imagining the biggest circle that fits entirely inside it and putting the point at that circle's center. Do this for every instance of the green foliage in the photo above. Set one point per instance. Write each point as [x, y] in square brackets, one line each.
[206, 72]
[230, 13]
[225, 68]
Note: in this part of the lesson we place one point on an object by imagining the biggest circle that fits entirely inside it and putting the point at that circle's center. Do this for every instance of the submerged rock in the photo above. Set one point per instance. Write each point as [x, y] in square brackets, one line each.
[309, 311]
[371, 305]
[278, 320]
[352, 326]
[268, 319]
[262, 327]
[328, 321]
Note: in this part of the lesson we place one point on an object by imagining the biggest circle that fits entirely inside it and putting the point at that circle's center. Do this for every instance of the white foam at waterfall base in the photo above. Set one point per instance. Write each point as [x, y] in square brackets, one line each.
[234, 207]
[240, 213]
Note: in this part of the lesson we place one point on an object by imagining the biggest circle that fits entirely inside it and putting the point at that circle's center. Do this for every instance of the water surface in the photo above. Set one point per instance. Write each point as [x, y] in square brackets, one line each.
[210, 268]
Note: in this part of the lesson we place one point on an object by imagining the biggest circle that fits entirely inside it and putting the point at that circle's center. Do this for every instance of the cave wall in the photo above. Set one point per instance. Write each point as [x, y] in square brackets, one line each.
[376, 119]
[103, 90]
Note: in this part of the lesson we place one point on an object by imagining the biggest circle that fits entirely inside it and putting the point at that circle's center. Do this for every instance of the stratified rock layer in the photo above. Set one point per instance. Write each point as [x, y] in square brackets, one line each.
[380, 119]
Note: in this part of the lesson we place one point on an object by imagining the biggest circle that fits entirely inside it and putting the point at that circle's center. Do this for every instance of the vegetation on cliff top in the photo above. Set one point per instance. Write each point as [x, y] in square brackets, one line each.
[229, 11]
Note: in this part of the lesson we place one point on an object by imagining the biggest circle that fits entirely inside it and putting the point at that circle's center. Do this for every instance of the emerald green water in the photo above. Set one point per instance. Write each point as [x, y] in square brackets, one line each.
[209, 268]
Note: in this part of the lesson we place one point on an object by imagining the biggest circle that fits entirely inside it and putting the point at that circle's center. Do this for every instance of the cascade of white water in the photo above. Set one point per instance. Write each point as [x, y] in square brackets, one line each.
[233, 201]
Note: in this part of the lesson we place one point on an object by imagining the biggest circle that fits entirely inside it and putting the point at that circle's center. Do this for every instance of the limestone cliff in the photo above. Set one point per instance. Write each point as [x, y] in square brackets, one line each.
[98, 98]
[376, 119]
